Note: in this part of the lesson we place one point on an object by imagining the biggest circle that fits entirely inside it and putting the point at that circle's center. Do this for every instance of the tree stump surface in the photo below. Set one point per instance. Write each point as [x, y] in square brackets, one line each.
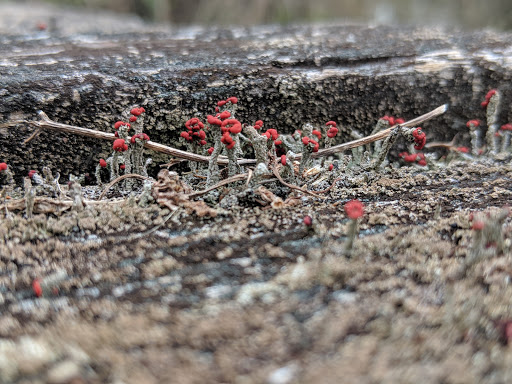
[284, 75]
[122, 293]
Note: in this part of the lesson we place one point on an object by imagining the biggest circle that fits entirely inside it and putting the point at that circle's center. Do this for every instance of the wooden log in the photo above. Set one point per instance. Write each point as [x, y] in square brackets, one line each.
[285, 76]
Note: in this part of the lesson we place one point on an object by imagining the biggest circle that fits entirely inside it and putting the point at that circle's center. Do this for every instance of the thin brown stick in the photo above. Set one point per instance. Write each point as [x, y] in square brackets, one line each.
[32, 136]
[331, 186]
[249, 177]
[120, 178]
[435, 144]
[231, 179]
[275, 170]
[46, 123]
[378, 136]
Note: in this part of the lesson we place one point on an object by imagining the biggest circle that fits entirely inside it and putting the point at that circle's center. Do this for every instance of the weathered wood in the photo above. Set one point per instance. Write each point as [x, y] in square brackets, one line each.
[283, 75]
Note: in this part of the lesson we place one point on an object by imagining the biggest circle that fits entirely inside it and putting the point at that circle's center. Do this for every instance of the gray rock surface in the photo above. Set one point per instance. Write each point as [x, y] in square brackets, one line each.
[353, 74]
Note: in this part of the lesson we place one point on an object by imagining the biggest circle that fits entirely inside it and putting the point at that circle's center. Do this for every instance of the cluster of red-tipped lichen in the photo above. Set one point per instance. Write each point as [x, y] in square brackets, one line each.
[195, 131]
[119, 145]
[333, 129]
[120, 124]
[258, 124]
[272, 134]
[393, 120]
[135, 113]
[317, 133]
[488, 96]
[420, 139]
[228, 127]
[222, 103]
[140, 136]
[419, 158]
[311, 142]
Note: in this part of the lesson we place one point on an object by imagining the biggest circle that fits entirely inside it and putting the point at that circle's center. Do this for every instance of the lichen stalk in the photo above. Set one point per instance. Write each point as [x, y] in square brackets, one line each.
[492, 112]
[213, 168]
[351, 236]
[475, 134]
[386, 146]
[30, 195]
[259, 144]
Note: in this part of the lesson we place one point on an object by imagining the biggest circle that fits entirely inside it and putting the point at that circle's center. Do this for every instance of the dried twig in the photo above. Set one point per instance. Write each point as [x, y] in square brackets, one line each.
[231, 179]
[331, 186]
[120, 178]
[275, 170]
[32, 136]
[46, 123]
[378, 136]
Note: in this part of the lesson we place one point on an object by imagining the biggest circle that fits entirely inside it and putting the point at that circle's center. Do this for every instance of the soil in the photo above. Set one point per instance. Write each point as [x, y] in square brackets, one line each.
[256, 296]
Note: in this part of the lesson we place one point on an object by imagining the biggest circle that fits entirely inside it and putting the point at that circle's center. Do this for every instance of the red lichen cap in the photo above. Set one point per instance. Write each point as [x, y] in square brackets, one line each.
[194, 124]
[409, 158]
[210, 150]
[119, 145]
[212, 120]
[272, 134]
[227, 140]
[232, 100]
[474, 123]
[506, 127]
[354, 209]
[316, 146]
[118, 124]
[478, 225]
[317, 133]
[283, 159]
[31, 173]
[488, 96]
[141, 136]
[331, 124]
[133, 119]
[332, 132]
[186, 135]
[137, 111]
[224, 115]
[308, 221]
[420, 139]
[233, 125]
[258, 124]
[389, 119]
[3, 166]
[36, 287]
[103, 163]
[305, 140]
[221, 103]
